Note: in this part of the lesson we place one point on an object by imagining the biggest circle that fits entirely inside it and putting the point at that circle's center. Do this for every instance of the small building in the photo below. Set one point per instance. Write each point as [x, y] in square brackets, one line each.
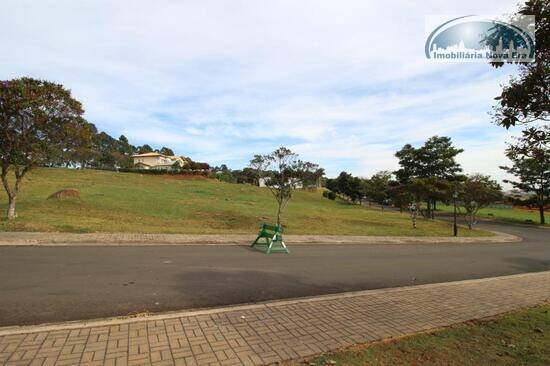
[155, 160]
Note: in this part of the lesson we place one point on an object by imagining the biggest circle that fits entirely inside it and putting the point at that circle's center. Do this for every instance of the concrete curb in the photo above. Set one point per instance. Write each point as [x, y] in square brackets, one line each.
[48, 327]
[131, 239]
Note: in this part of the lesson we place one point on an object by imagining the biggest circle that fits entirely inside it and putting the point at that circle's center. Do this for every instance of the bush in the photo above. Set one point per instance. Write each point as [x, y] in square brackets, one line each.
[331, 195]
[325, 194]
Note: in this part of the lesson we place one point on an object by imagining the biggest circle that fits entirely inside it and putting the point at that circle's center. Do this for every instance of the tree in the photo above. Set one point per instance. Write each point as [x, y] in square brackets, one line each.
[81, 156]
[105, 146]
[124, 146]
[283, 172]
[476, 192]
[347, 185]
[530, 157]
[257, 164]
[526, 98]
[376, 188]
[399, 195]
[40, 122]
[166, 151]
[428, 190]
[194, 165]
[435, 160]
[145, 149]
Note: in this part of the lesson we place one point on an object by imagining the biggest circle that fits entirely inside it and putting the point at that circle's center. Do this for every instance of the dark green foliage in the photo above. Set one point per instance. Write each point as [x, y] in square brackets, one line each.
[400, 195]
[144, 149]
[526, 98]
[428, 170]
[331, 195]
[40, 124]
[166, 151]
[436, 158]
[193, 165]
[476, 192]
[325, 194]
[377, 187]
[530, 156]
[347, 185]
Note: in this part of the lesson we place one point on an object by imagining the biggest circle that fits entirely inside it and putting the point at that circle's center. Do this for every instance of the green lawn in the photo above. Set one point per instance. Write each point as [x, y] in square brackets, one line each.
[521, 338]
[130, 202]
[504, 214]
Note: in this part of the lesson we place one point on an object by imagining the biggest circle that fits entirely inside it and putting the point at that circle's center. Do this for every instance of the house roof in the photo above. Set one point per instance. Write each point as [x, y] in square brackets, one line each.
[153, 154]
[146, 155]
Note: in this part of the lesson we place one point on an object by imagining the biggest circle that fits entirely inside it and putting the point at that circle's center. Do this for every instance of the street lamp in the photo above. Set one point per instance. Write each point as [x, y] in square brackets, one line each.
[455, 227]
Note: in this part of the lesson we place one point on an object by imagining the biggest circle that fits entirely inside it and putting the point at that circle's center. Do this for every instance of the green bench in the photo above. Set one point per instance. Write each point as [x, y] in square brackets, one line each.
[272, 236]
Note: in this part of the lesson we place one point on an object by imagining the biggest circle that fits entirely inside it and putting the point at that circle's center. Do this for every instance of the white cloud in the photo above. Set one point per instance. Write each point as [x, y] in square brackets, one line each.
[345, 84]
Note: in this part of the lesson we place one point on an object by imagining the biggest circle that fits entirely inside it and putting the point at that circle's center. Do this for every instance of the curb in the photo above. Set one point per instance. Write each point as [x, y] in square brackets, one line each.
[48, 327]
[123, 239]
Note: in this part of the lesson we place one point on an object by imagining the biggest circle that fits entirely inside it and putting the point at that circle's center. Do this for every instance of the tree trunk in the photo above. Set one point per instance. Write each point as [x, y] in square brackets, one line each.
[541, 212]
[428, 209]
[279, 215]
[11, 208]
[12, 192]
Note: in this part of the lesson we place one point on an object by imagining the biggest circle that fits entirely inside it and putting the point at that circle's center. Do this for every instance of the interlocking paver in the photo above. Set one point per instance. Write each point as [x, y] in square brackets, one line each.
[278, 331]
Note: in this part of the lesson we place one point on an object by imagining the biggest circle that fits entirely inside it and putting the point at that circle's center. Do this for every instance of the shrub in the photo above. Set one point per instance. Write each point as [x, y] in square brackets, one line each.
[325, 194]
[331, 195]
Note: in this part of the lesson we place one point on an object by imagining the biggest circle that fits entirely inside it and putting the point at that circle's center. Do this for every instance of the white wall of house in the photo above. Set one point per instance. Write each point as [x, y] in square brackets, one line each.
[157, 161]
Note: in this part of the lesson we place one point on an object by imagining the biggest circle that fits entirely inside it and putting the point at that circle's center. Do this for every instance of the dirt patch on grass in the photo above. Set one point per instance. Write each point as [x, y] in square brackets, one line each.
[65, 193]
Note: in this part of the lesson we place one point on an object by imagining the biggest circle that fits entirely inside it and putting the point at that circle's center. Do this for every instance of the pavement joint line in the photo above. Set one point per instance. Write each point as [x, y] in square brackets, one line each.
[78, 324]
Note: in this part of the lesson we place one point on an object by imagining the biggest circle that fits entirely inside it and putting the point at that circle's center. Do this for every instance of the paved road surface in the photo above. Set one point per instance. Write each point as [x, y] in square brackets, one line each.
[51, 284]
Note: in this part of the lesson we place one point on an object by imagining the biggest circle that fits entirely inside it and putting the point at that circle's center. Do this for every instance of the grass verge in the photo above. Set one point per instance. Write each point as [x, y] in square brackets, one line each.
[512, 215]
[518, 338]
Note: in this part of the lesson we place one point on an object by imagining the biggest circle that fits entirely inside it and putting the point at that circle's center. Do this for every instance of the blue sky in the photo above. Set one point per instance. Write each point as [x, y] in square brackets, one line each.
[343, 83]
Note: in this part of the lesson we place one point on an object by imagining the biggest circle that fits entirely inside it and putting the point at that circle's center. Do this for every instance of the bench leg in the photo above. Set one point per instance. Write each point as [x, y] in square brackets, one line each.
[268, 250]
[284, 246]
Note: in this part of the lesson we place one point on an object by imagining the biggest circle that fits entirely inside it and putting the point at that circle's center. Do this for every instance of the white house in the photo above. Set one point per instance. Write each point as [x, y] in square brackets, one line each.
[155, 160]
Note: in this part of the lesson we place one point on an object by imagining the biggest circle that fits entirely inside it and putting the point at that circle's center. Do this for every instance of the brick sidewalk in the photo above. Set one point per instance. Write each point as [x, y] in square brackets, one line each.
[267, 333]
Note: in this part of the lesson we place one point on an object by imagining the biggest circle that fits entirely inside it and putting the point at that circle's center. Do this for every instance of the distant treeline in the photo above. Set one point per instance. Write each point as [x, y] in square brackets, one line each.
[107, 152]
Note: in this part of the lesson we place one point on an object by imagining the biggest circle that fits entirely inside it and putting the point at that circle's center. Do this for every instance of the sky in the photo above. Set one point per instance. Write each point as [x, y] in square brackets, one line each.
[343, 83]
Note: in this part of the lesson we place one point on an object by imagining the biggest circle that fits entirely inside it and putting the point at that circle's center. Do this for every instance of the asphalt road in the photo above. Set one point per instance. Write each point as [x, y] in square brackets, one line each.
[52, 284]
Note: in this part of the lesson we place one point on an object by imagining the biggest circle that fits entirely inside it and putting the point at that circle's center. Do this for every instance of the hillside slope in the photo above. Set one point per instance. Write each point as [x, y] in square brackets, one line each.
[130, 202]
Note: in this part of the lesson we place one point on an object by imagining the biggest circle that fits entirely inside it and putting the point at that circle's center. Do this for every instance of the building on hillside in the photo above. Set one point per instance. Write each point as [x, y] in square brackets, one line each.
[155, 160]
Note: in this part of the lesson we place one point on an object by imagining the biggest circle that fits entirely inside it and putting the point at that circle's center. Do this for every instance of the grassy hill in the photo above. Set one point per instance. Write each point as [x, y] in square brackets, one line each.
[130, 202]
